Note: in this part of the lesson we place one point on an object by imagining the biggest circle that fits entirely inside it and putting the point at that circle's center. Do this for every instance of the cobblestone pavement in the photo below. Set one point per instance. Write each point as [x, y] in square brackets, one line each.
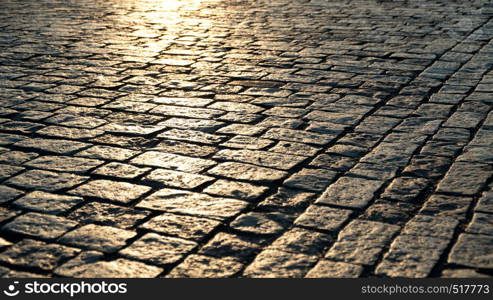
[144, 138]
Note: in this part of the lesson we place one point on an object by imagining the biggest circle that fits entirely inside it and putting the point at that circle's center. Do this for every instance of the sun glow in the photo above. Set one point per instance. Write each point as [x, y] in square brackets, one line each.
[155, 24]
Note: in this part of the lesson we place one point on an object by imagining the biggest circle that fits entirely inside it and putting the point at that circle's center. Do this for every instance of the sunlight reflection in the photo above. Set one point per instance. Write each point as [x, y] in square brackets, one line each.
[160, 22]
[167, 12]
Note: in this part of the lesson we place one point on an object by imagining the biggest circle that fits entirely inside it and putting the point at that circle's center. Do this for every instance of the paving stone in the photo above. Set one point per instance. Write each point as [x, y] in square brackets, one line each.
[108, 214]
[241, 118]
[421, 225]
[457, 135]
[425, 125]
[483, 137]
[20, 127]
[19, 274]
[272, 121]
[427, 166]
[392, 111]
[65, 89]
[362, 242]
[196, 204]
[377, 124]
[367, 140]
[287, 199]
[335, 117]
[485, 203]
[350, 192]
[6, 214]
[9, 139]
[64, 164]
[75, 121]
[8, 193]
[199, 266]
[238, 190]
[246, 172]
[174, 62]
[192, 136]
[406, 189]
[412, 256]
[273, 263]
[247, 142]
[47, 202]
[236, 107]
[96, 237]
[299, 240]
[297, 136]
[172, 161]
[446, 98]
[481, 224]
[465, 179]
[315, 180]
[463, 273]
[348, 150]
[329, 129]
[241, 129]
[194, 102]
[476, 154]
[294, 148]
[331, 269]
[120, 170]
[107, 153]
[129, 106]
[229, 245]
[111, 190]
[393, 154]
[333, 162]
[373, 171]
[441, 148]
[183, 148]
[4, 243]
[133, 129]
[69, 132]
[389, 212]
[434, 110]
[286, 112]
[405, 138]
[39, 225]
[57, 146]
[447, 206]
[7, 171]
[177, 179]
[274, 101]
[35, 254]
[261, 158]
[464, 120]
[46, 180]
[17, 157]
[121, 147]
[158, 249]
[186, 227]
[273, 92]
[323, 218]
[91, 264]
[193, 124]
[261, 223]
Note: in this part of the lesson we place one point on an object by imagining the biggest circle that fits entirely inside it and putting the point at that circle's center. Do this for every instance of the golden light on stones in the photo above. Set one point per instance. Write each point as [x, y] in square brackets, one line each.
[157, 25]
[165, 12]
